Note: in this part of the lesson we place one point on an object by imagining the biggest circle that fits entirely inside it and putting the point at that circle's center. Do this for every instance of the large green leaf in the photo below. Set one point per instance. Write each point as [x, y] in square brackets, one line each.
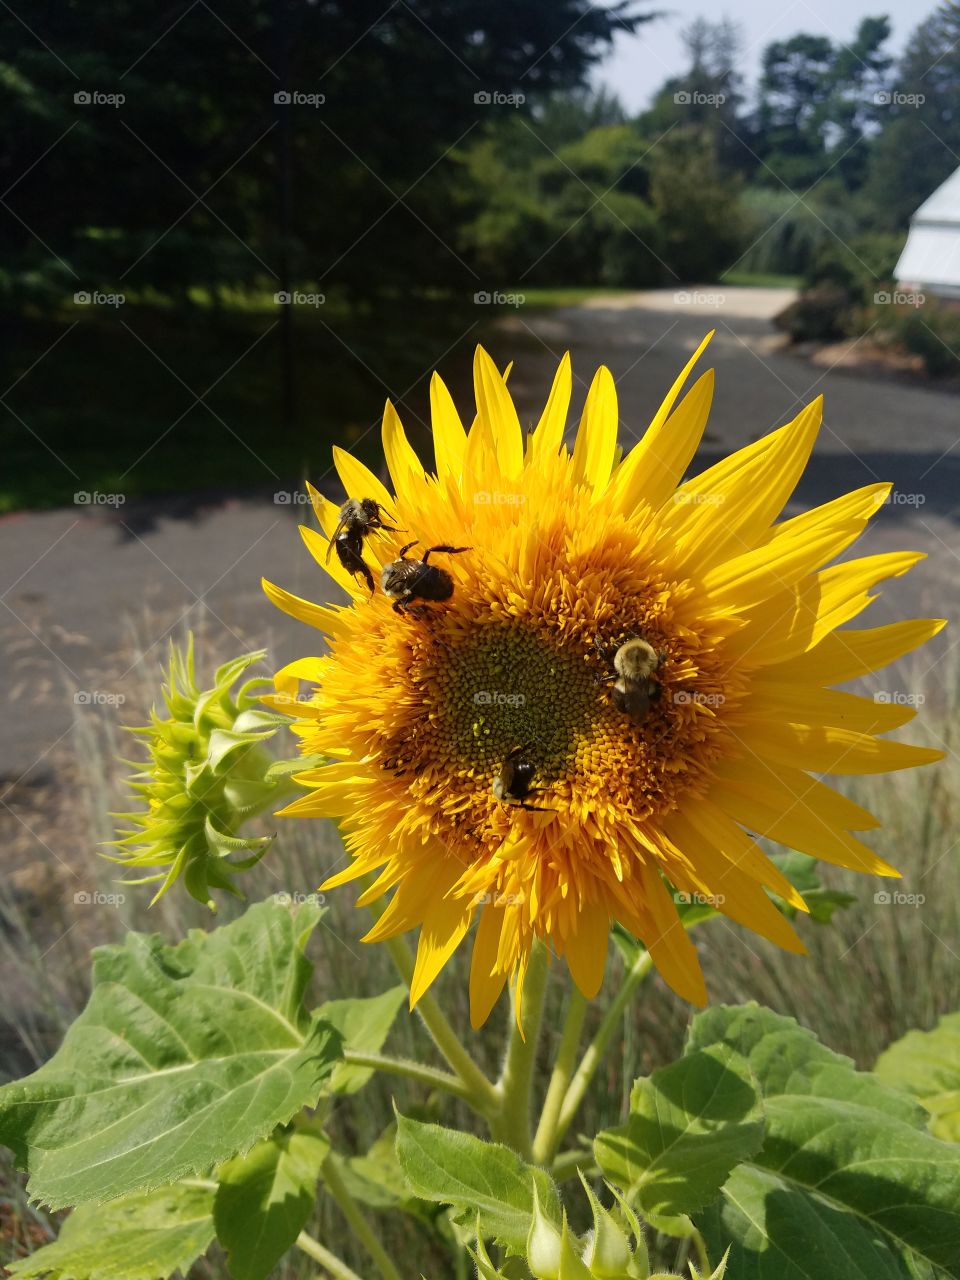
[927, 1064]
[184, 1057]
[690, 1124]
[264, 1200]
[146, 1236]
[848, 1181]
[364, 1024]
[475, 1178]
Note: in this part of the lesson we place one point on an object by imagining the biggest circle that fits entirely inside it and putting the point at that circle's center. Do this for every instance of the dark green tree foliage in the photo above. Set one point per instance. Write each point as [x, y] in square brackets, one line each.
[818, 102]
[184, 183]
[920, 144]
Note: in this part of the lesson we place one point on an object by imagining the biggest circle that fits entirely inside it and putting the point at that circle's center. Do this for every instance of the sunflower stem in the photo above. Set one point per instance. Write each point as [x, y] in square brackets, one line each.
[512, 1125]
[479, 1092]
[357, 1222]
[433, 1077]
[546, 1139]
[598, 1045]
[329, 1261]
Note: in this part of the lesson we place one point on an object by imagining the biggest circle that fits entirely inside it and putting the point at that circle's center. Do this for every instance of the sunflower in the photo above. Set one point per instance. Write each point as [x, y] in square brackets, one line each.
[625, 805]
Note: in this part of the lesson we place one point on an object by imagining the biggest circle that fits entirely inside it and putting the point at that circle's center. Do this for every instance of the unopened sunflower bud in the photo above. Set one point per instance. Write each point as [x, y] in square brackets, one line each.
[717, 1274]
[207, 774]
[544, 1243]
[572, 1266]
[608, 1253]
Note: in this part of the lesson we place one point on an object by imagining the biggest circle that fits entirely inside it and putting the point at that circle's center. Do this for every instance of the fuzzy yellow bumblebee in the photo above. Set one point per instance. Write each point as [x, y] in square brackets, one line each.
[572, 553]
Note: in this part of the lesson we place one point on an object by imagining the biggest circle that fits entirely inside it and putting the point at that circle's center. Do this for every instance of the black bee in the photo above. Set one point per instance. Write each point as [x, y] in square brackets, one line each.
[634, 665]
[514, 783]
[405, 581]
[358, 517]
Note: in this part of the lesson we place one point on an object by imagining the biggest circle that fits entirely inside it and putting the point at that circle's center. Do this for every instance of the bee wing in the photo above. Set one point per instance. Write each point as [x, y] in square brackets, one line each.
[334, 536]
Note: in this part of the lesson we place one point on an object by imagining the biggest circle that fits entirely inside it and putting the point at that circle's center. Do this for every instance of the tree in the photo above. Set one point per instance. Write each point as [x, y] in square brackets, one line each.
[920, 143]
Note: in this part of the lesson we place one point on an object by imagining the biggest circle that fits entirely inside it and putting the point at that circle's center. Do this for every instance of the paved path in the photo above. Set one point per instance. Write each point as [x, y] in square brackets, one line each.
[90, 595]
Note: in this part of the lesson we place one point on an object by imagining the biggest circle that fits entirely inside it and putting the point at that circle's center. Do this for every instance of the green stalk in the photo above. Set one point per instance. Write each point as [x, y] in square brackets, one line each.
[334, 1265]
[598, 1045]
[478, 1090]
[430, 1076]
[512, 1125]
[357, 1222]
[546, 1139]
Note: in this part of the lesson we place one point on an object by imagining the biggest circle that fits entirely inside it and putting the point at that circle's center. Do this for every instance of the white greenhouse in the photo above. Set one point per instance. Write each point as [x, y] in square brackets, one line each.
[930, 261]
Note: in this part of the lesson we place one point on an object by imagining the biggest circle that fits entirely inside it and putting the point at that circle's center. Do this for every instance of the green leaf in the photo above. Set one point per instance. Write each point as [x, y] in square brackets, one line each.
[847, 1181]
[927, 1065]
[801, 870]
[475, 1177]
[376, 1178]
[364, 1024]
[146, 1236]
[690, 1124]
[184, 1057]
[264, 1200]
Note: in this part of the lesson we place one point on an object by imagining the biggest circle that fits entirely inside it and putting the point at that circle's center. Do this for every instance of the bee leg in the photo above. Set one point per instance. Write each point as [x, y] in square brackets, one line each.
[404, 549]
[363, 570]
[452, 551]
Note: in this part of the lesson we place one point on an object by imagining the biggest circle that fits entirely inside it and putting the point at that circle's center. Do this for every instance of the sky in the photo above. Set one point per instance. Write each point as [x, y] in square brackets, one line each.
[639, 64]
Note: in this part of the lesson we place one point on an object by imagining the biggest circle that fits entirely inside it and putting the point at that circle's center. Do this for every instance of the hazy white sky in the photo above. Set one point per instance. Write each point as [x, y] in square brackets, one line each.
[640, 63]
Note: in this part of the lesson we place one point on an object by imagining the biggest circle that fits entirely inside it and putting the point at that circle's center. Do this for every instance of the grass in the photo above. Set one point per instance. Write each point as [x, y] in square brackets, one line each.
[872, 974]
[760, 279]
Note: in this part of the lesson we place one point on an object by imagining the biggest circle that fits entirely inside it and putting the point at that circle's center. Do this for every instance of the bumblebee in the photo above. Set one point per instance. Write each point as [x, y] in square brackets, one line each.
[406, 581]
[358, 517]
[634, 689]
[514, 783]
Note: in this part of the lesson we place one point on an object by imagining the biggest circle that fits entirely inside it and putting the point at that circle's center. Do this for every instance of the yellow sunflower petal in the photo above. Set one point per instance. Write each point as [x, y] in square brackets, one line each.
[586, 949]
[486, 982]
[548, 434]
[449, 436]
[406, 469]
[359, 481]
[495, 407]
[596, 442]
[845, 655]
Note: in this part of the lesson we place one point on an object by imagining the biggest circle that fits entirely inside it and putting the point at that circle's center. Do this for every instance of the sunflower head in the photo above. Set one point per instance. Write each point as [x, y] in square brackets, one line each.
[598, 681]
[207, 773]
